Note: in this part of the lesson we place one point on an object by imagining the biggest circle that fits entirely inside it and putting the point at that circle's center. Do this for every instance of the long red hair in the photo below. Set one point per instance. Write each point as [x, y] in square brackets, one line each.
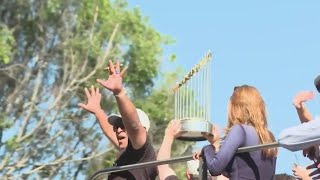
[246, 106]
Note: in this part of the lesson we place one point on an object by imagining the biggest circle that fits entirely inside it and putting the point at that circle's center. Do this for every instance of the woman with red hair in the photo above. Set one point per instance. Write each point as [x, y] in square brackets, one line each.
[247, 126]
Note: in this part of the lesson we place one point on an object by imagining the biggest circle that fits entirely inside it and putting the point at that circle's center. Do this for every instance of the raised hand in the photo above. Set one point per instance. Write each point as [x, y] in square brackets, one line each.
[302, 97]
[197, 155]
[214, 137]
[114, 82]
[173, 129]
[94, 99]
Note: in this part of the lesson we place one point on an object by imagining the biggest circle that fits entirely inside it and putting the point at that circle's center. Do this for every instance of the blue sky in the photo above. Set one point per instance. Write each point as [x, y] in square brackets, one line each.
[272, 45]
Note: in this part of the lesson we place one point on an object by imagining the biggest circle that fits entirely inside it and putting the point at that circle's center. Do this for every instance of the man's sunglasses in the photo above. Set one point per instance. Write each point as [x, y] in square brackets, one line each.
[118, 125]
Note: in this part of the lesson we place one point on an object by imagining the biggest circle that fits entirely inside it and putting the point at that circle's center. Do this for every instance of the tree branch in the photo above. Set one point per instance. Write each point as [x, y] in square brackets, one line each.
[63, 161]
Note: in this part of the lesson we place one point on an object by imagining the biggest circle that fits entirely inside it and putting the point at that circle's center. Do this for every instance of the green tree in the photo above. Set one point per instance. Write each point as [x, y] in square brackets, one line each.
[58, 48]
[6, 43]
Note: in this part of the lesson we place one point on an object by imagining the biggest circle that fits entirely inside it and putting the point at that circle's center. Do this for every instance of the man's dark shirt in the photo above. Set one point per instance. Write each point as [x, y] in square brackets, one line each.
[133, 156]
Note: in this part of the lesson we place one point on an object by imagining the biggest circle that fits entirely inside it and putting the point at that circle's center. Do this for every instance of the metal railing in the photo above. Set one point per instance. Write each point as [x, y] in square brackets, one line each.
[202, 167]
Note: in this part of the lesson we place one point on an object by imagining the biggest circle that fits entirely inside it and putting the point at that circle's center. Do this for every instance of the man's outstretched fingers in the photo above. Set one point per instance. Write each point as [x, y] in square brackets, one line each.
[111, 67]
[87, 93]
[123, 71]
[93, 92]
[97, 91]
[117, 66]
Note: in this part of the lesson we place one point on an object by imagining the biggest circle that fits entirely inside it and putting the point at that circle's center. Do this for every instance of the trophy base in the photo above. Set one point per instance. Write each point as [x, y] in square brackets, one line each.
[192, 129]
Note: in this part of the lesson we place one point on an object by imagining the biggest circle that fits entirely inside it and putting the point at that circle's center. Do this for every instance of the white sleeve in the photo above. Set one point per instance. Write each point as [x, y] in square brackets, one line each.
[301, 137]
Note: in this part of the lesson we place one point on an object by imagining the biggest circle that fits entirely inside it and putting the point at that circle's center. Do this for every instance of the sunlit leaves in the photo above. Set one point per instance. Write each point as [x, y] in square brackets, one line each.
[6, 44]
[62, 41]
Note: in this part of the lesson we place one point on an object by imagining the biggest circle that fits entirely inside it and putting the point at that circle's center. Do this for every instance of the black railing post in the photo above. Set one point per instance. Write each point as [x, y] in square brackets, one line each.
[203, 173]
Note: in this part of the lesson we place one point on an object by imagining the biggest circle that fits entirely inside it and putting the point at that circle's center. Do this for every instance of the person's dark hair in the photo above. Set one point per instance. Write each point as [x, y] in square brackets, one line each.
[284, 177]
[317, 82]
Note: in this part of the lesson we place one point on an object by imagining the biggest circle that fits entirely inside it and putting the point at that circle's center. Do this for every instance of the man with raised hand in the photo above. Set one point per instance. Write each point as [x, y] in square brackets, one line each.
[127, 131]
[305, 116]
[308, 128]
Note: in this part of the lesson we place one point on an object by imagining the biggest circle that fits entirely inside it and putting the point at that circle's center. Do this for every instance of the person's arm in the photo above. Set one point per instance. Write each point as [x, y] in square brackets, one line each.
[218, 161]
[304, 114]
[93, 106]
[214, 139]
[136, 132]
[299, 103]
[172, 131]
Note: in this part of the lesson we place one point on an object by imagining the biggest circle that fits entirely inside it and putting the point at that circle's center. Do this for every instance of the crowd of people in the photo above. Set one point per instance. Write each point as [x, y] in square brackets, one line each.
[247, 125]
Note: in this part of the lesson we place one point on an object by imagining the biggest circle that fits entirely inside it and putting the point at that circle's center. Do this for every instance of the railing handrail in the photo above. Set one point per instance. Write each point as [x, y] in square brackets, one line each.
[174, 160]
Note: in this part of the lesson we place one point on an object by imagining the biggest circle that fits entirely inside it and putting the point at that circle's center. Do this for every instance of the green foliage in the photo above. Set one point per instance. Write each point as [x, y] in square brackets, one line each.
[12, 144]
[57, 45]
[6, 43]
[5, 124]
[172, 57]
[60, 43]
